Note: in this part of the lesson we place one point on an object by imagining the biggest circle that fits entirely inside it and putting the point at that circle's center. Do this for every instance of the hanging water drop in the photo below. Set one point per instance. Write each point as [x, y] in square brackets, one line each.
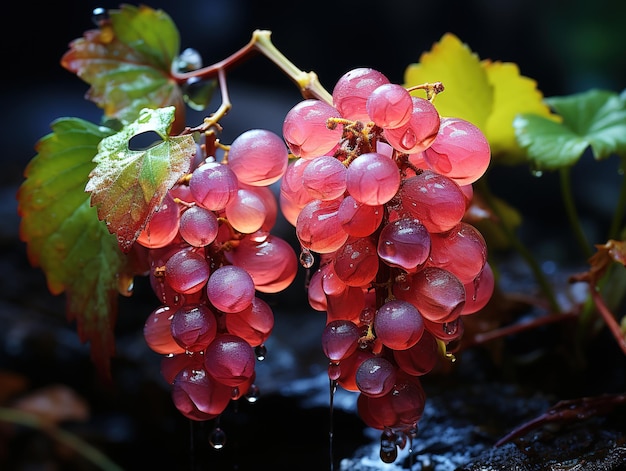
[388, 448]
[253, 394]
[306, 258]
[99, 15]
[217, 438]
[451, 328]
[260, 351]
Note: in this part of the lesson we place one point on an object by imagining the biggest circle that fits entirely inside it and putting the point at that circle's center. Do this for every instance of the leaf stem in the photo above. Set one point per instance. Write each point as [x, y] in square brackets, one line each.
[307, 82]
[517, 244]
[572, 214]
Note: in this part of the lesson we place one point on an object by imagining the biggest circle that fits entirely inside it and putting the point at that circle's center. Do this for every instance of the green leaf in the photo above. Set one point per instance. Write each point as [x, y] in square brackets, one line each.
[64, 236]
[595, 119]
[128, 186]
[127, 63]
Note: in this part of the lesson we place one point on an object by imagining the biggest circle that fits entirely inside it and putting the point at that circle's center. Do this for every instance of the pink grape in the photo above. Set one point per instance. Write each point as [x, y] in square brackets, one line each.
[460, 151]
[246, 211]
[258, 157]
[162, 227]
[266, 195]
[194, 327]
[421, 358]
[340, 339]
[198, 226]
[356, 262]
[358, 219]
[348, 367]
[352, 90]
[347, 304]
[213, 185]
[398, 324]
[462, 251]
[157, 332]
[478, 292]
[373, 179]
[254, 324]
[230, 359]
[187, 271]
[305, 129]
[198, 396]
[230, 288]
[325, 178]
[390, 106]
[436, 200]
[436, 293]
[445, 331]
[420, 130]
[375, 376]
[293, 194]
[404, 243]
[318, 228]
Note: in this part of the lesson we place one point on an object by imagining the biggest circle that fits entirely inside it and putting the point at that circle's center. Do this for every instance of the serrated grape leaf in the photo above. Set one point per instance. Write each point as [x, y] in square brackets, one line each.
[487, 93]
[127, 62]
[64, 236]
[128, 186]
[596, 119]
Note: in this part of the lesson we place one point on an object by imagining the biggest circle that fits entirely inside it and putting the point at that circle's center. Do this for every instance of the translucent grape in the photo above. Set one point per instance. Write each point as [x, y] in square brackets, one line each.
[198, 396]
[325, 178]
[372, 179]
[305, 129]
[375, 376]
[398, 324]
[390, 106]
[462, 251]
[258, 157]
[460, 151]
[171, 365]
[348, 366]
[436, 200]
[157, 332]
[478, 292]
[404, 243]
[198, 226]
[318, 228]
[230, 288]
[419, 132]
[445, 331]
[421, 358]
[340, 339]
[352, 90]
[266, 195]
[436, 293]
[254, 324]
[358, 219]
[213, 185]
[356, 261]
[230, 360]
[246, 211]
[162, 227]
[345, 305]
[187, 271]
[271, 262]
[293, 194]
[194, 327]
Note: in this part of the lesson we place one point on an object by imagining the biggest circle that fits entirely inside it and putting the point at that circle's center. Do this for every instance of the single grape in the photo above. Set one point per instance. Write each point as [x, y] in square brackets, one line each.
[194, 327]
[254, 324]
[230, 359]
[345, 305]
[398, 324]
[246, 211]
[258, 157]
[375, 376]
[325, 178]
[358, 219]
[340, 339]
[404, 243]
[187, 271]
[213, 185]
[162, 227]
[293, 194]
[173, 364]
[419, 132]
[305, 129]
[390, 106]
[352, 90]
[356, 261]
[230, 288]
[318, 228]
[478, 292]
[198, 396]
[158, 334]
[372, 179]
[421, 358]
[198, 226]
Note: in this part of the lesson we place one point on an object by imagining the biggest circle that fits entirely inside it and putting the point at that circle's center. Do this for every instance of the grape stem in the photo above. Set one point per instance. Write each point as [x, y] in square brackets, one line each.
[307, 82]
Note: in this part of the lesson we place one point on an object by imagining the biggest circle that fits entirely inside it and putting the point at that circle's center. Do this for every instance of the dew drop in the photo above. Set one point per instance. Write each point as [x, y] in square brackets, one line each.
[306, 258]
[253, 393]
[217, 438]
[260, 351]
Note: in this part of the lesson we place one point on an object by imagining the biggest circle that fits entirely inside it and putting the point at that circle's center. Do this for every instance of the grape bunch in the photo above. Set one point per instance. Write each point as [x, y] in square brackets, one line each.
[210, 253]
[379, 191]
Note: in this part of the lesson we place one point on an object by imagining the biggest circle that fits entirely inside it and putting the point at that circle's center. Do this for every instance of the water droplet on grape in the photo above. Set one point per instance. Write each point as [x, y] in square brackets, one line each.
[388, 447]
[235, 392]
[306, 258]
[450, 328]
[409, 139]
[334, 371]
[253, 393]
[260, 351]
[217, 438]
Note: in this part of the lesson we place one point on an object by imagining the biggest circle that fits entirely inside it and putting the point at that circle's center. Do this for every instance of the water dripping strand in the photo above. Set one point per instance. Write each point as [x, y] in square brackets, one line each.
[331, 429]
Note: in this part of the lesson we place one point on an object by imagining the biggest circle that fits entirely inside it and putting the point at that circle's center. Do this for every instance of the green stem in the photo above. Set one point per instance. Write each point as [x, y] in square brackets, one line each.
[572, 214]
[72, 441]
[517, 244]
[620, 210]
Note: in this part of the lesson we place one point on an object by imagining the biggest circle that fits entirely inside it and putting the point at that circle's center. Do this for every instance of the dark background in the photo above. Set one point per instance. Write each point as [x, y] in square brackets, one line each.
[566, 46]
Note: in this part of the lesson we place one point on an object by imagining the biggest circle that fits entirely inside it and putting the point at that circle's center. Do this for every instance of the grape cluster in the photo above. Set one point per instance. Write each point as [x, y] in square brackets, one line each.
[379, 190]
[210, 252]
